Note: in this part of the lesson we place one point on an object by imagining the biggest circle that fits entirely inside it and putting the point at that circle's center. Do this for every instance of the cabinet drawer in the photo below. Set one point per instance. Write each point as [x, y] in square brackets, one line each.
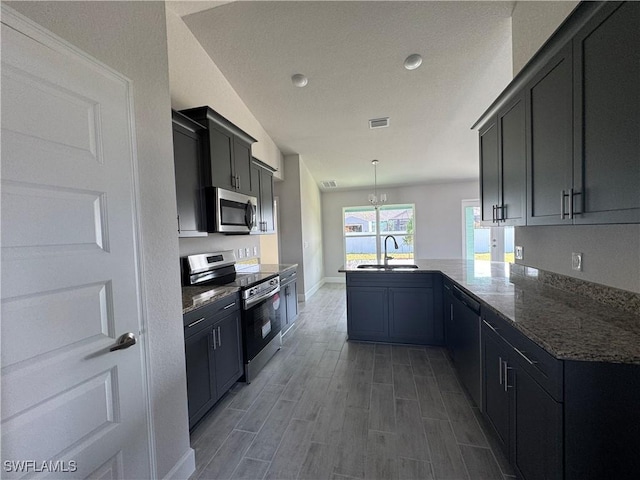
[200, 317]
[543, 367]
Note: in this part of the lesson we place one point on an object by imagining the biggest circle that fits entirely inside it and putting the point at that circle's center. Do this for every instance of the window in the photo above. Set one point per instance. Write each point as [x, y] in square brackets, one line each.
[365, 229]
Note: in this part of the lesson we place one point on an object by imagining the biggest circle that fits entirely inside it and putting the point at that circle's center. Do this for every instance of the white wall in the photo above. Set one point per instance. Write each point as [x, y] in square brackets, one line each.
[532, 23]
[130, 37]
[301, 231]
[290, 228]
[312, 234]
[438, 219]
[611, 253]
[195, 81]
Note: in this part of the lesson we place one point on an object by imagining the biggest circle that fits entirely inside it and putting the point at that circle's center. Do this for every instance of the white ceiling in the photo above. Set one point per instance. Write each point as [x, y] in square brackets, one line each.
[352, 53]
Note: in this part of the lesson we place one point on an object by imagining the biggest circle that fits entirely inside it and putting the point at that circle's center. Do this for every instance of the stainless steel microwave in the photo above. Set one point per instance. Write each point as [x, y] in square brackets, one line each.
[230, 212]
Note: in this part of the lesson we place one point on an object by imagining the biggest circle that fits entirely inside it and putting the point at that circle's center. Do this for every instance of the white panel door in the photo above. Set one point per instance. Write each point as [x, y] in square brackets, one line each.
[70, 283]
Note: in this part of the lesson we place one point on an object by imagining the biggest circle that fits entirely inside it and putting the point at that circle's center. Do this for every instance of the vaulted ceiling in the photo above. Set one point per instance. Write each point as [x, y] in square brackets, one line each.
[352, 54]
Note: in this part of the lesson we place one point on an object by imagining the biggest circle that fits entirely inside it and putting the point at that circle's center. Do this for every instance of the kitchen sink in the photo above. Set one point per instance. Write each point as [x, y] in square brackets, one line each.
[378, 266]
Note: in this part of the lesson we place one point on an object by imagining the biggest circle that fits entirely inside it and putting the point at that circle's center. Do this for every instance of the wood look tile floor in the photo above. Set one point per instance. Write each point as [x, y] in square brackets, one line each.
[326, 408]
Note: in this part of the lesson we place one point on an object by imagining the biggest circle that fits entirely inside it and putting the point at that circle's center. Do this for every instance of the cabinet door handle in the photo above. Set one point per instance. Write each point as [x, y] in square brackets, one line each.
[493, 214]
[229, 306]
[178, 223]
[522, 354]
[503, 215]
[196, 322]
[572, 212]
[238, 181]
[500, 370]
[213, 334]
[505, 371]
[219, 338]
[563, 196]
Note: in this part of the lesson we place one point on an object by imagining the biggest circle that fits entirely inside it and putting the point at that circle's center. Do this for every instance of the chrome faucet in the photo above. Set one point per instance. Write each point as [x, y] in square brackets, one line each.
[387, 257]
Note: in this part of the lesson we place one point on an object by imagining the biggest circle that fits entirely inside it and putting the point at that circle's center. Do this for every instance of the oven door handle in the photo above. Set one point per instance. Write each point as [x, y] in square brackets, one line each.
[250, 302]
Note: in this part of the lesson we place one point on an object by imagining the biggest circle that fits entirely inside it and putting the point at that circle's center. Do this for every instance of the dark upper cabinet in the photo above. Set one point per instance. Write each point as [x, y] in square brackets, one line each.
[581, 137]
[187, 155]
[489, 171]
[262, 189]
[513, 163]
[228, 163]
[550, 142]
[220, 161]
[503, 166]
[607, 116]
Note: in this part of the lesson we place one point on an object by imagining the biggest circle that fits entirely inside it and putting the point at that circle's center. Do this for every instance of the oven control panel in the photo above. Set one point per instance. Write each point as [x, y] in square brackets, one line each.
[261, 288]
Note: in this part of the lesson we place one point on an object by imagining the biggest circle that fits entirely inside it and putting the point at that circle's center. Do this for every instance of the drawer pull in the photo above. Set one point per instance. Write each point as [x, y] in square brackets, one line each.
[229, 306]
[490, 326]
[522, 354]
[500, 370]
[195, 323]
[506, 376]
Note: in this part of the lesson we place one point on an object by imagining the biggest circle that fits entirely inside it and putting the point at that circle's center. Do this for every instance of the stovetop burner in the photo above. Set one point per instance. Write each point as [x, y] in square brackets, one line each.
[219, 269]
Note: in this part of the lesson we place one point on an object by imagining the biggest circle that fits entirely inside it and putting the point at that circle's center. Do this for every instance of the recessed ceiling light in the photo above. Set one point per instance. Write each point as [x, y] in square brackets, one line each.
[299, 80]
[413, 61]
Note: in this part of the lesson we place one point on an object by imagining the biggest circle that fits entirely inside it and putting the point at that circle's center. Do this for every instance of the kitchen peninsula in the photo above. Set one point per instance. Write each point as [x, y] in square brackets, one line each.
[555, 373]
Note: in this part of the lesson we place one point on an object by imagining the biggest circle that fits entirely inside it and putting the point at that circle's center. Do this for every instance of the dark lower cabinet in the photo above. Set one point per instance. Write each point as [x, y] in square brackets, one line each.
[536, 425]
[289, 297]
[496, 392]
[395, 307]
[368, 313]
[409, 310]
[522, 391]
[213, 354]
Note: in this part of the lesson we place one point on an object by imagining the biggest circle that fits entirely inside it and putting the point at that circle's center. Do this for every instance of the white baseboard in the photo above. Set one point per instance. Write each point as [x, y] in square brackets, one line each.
[311, 292]
[335, 279]
[184, 468]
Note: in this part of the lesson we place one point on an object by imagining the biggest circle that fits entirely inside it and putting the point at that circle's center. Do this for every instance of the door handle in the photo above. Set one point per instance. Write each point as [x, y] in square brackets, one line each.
[125, 341]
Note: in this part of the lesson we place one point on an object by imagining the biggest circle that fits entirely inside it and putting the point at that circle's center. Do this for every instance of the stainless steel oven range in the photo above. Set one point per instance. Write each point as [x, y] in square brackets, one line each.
[261, 311]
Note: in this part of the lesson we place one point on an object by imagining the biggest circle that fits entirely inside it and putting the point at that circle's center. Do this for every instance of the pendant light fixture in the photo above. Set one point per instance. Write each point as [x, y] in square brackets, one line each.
[375, 199]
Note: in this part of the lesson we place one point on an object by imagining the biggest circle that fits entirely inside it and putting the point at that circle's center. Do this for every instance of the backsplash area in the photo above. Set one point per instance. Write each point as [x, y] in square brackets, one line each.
[610, 296]
[610, 253]
[216, 242]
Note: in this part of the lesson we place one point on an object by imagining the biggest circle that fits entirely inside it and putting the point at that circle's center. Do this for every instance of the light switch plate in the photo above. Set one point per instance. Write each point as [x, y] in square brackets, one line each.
[519, 251]
[576, 261]
[241, 253]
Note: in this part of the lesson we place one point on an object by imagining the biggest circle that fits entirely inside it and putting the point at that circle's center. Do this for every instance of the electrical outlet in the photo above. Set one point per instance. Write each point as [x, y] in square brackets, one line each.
[576, 261]
[241, 253]
[519, 252]
[247, 252]
[255, 251]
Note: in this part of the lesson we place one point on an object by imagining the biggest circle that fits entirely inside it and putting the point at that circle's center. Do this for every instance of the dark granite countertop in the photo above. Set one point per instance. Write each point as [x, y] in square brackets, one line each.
[196, 297]
[266, 267]
[567, 325]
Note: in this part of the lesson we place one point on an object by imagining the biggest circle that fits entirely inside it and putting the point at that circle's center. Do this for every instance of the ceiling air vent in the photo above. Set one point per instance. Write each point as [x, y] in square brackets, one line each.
[379, 122]
[329, 184]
